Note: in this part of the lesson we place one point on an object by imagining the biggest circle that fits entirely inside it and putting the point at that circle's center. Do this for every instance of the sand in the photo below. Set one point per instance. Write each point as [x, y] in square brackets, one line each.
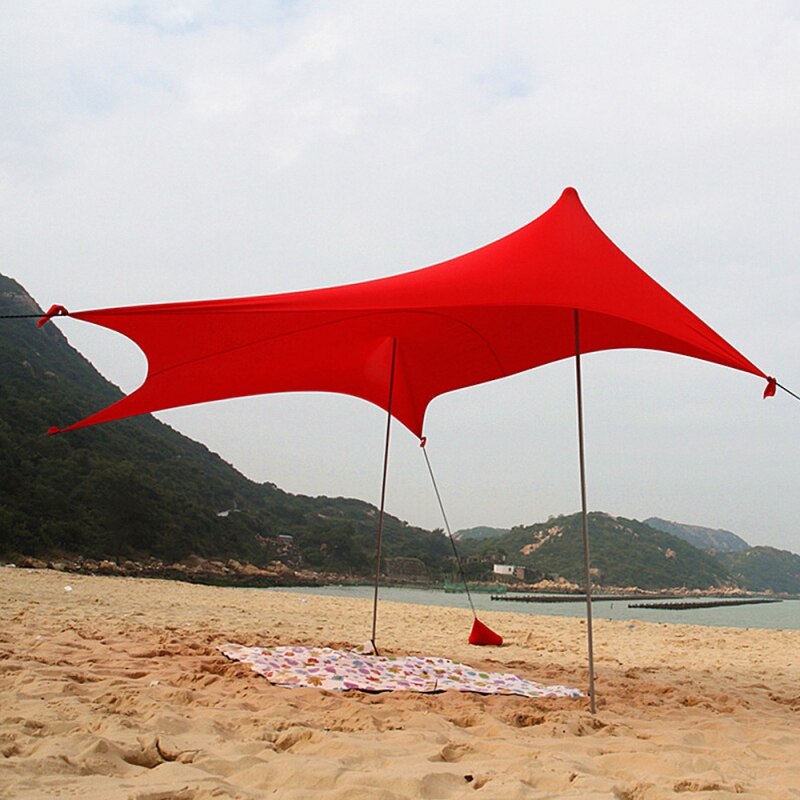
[115, 689]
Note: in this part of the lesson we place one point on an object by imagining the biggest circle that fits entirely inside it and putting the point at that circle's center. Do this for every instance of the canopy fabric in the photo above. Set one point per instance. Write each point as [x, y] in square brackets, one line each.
[504, 308]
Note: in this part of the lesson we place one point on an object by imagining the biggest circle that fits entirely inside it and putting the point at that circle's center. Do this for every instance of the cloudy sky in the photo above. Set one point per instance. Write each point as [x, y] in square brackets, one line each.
[155, 151]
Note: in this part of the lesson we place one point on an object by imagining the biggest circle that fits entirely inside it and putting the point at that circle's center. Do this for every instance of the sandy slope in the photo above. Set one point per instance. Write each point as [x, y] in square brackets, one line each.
[116, 690]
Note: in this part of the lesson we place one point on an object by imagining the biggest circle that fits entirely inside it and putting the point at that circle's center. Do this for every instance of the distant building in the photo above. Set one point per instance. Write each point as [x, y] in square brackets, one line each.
[512, 572]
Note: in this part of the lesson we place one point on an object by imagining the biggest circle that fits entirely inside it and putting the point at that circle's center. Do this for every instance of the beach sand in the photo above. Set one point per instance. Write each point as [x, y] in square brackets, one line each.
[116, 689]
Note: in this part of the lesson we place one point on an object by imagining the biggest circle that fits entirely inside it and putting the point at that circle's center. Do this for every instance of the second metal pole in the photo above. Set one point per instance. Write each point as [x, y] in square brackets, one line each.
[584, 515]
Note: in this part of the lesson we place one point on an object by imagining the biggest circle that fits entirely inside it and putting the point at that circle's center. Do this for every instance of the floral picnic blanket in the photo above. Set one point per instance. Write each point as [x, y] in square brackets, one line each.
[325, 668]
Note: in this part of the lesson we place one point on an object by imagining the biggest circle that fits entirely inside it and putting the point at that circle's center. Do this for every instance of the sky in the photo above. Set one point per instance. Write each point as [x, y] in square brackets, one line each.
[165, 151]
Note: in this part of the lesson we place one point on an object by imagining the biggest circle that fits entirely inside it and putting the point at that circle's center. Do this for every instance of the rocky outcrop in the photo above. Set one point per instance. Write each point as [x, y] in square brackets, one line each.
[192, 569]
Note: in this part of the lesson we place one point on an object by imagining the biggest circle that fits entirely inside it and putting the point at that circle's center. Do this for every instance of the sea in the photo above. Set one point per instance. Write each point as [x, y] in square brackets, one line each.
[775, 616]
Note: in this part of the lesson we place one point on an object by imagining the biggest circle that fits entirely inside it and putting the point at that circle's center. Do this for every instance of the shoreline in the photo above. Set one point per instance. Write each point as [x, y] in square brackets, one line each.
[232, 573]
[116, 688]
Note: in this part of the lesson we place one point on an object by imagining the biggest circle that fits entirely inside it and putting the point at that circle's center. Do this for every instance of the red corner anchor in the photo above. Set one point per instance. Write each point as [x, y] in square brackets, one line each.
[53, 311]
[483, 635]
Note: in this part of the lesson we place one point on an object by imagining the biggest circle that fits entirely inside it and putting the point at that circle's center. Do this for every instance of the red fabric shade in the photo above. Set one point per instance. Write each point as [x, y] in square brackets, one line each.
[499, 310]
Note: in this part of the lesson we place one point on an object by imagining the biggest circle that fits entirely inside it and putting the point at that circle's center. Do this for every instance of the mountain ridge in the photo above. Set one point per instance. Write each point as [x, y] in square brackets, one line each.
[624, 552]
[717, 539]
[479, 532]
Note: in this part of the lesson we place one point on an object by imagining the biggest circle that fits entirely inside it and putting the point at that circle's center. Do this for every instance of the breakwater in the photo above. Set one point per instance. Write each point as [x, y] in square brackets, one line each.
[689, 605]
[577, 598]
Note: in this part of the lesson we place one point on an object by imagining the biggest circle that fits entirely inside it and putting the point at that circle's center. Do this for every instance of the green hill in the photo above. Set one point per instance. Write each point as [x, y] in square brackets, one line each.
[479, 533]
[137, 488]
[764, 569]
[623, 552]
[716, 539]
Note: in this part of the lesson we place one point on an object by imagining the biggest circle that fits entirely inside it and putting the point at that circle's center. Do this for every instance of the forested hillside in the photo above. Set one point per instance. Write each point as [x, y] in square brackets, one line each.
[137, 488]
[764, 569]
[712, 539]
[624, 552]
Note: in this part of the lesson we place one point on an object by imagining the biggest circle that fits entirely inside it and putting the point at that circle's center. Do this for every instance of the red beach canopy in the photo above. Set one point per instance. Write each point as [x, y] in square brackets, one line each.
[502, 309]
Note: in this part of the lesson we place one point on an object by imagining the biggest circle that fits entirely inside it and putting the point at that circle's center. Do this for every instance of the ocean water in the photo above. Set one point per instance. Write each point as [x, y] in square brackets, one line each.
[775, 616]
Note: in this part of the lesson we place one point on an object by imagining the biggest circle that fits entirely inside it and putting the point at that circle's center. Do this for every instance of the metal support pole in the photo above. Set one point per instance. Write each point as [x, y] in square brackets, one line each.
[383, 498]
[584, 514]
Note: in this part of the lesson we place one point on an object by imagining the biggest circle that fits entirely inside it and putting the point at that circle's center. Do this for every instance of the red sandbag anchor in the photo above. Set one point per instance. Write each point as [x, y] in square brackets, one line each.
[483, 635]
